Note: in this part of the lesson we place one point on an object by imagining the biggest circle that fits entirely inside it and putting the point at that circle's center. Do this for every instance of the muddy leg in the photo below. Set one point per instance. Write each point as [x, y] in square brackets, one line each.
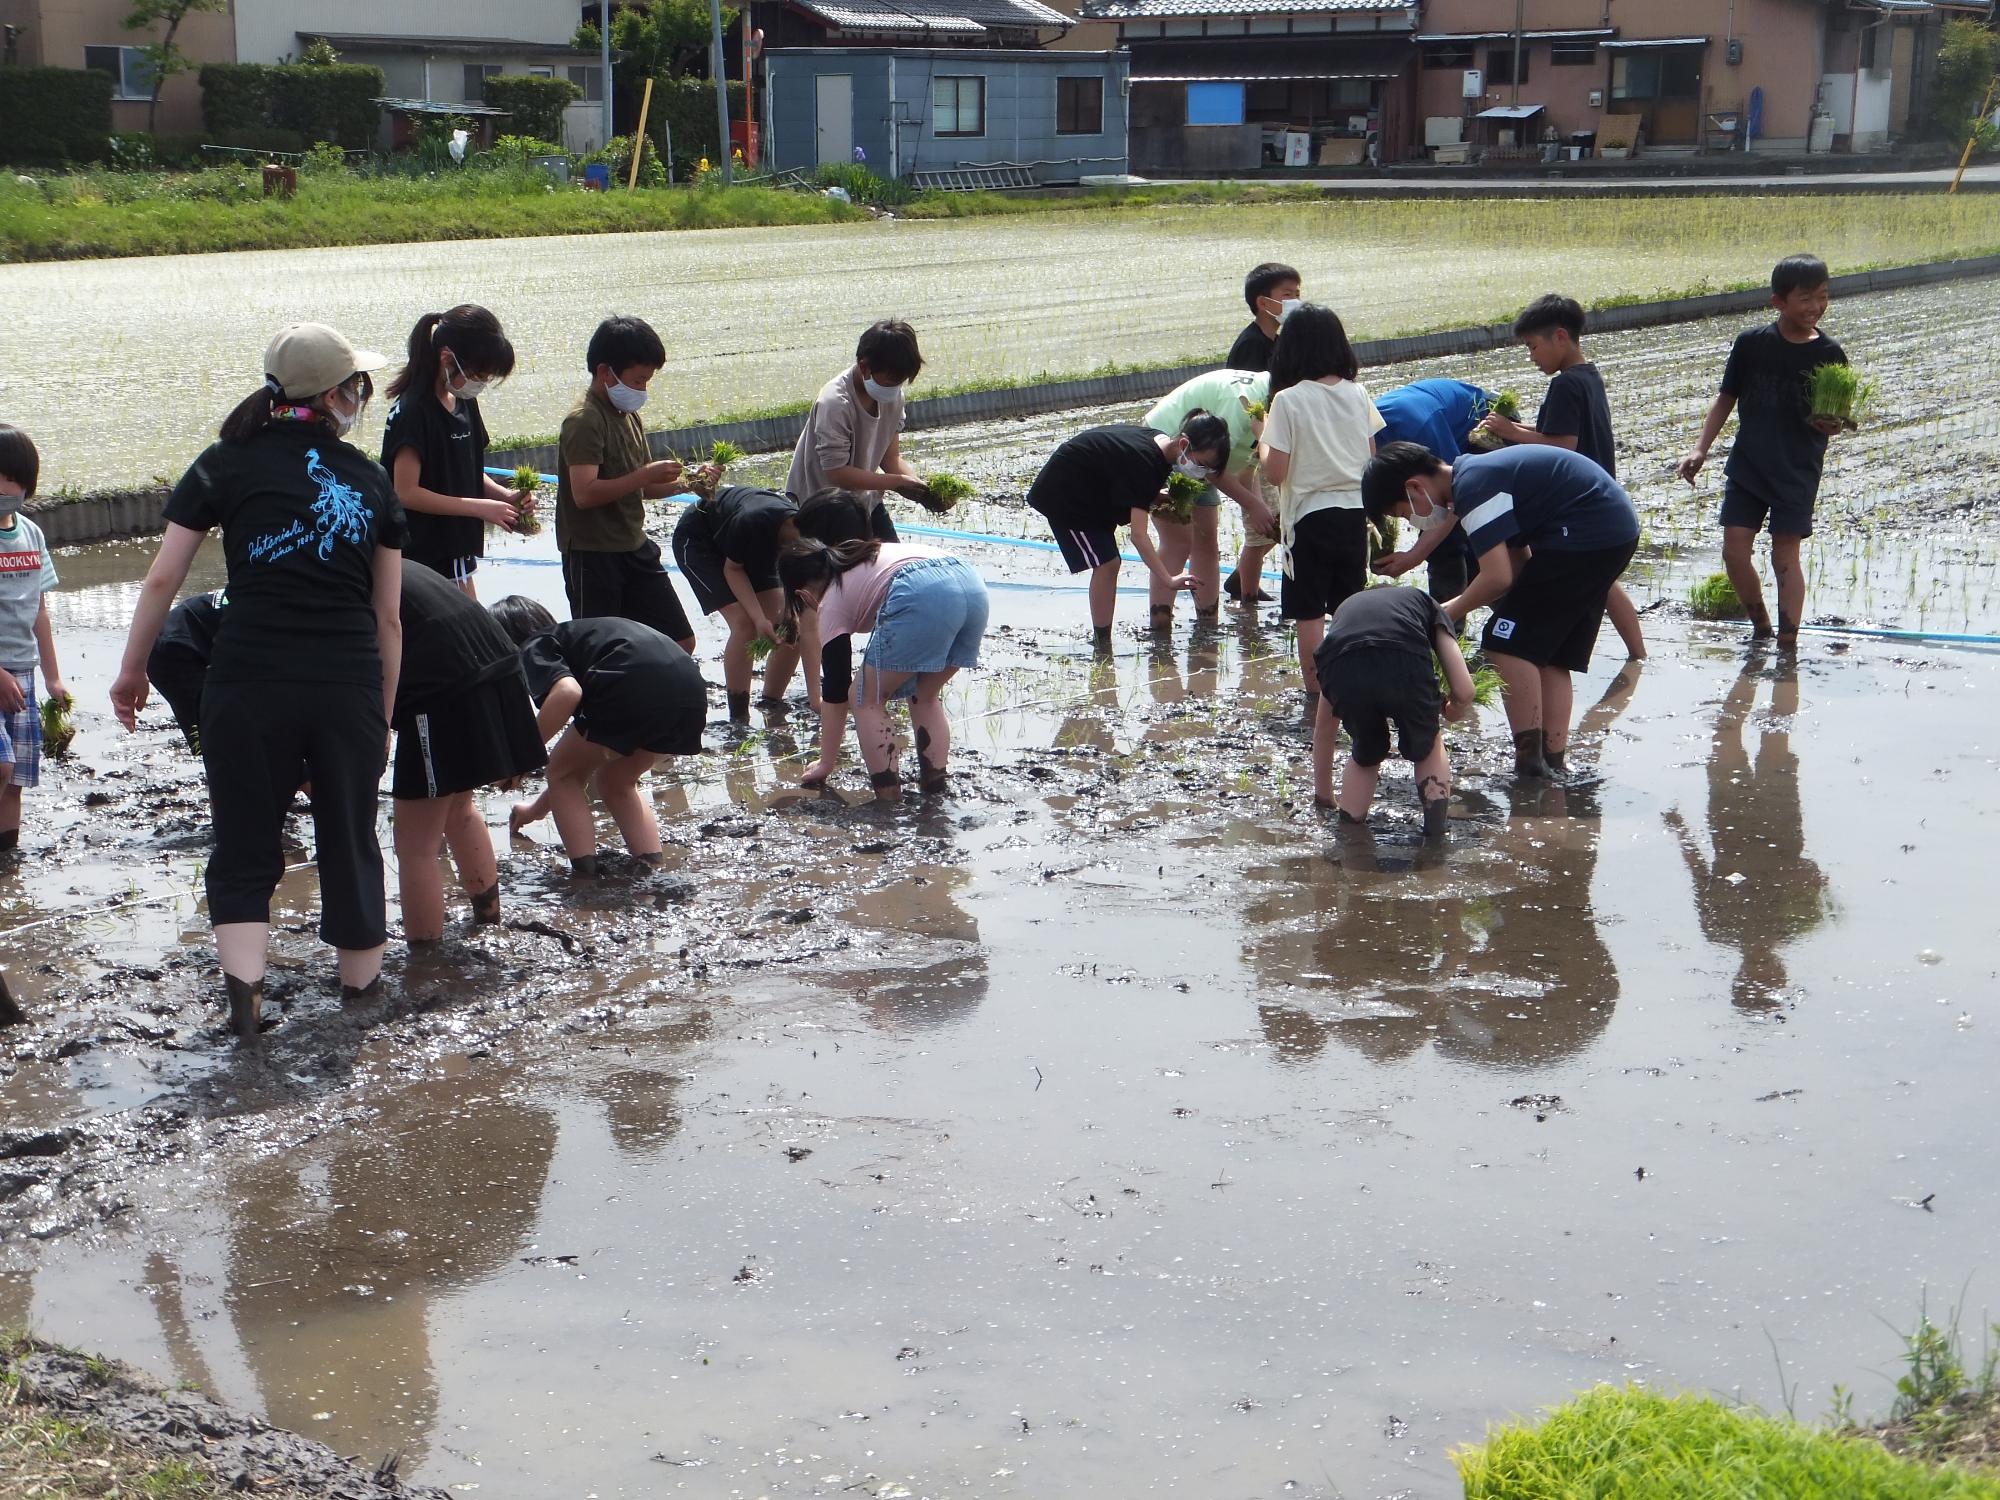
[1249, 574]
[933, 730]
[10, 809]
[419, 831]
[1175, 541]
[11, 1013]
[1557, 694]
[566, 797]
[876, 733]
[1326, 738]
[1791, 587]
[1624, 616]
[1103, 598]
[360, 968]
[1311, 633]
[784, 658]
[1740, 563]
[617, 785]
[1205, 562]
[1434, 790]
[1357, 790]
[471, 848]
[736, 661]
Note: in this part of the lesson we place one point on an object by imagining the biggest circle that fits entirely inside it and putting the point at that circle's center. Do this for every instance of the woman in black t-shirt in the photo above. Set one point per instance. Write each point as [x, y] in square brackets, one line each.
[305, 659]
[435, 444]
[621, 695]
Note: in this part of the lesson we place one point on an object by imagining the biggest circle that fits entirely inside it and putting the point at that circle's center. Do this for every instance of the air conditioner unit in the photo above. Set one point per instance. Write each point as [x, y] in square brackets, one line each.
[1474, 86]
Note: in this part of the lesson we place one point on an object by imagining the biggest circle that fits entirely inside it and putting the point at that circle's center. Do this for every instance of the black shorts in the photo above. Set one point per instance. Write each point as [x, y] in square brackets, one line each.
[1551, 614]
[471, 739]
[1451, 568]
[633, 585]
[1329, 561]
[701, 563]
[1788, 518]
[662, 709]
[1086, 548]
[1367, 690]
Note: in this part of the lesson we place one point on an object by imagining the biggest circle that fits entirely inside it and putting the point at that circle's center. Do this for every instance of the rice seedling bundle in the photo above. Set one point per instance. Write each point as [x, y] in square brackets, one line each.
[722, 453]
[1505, 404]
[58, 730]
[1714, 598]
[1839, 393]
[1178, 503]
[761, 647]
[529, 483]
[943, 493]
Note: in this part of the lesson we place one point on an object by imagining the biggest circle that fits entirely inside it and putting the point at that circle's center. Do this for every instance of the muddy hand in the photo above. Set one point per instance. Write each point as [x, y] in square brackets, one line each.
[128, 696]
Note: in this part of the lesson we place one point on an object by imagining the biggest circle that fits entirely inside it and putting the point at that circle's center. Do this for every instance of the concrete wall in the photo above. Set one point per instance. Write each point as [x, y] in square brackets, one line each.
[268, 30]
[1020, 109]
[55, 32]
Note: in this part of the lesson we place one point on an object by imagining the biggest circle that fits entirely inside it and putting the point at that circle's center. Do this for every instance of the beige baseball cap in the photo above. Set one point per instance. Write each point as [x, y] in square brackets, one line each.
[308, 358]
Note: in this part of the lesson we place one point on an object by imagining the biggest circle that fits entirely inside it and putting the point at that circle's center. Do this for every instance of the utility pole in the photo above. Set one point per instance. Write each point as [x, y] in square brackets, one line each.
[721, 87]
[604, 51]
[1520, 8]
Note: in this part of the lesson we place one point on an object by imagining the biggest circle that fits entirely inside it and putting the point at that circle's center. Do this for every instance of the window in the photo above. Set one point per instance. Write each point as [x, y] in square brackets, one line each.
[541, 72]
[1868, 35]
[1079, 106]
[476, 75]
[590, 80]
[1572, 54]
[958, 106]
[1500, 64]
[1215, 104]
[131, 77]
[1441, 55]
[1664, 74]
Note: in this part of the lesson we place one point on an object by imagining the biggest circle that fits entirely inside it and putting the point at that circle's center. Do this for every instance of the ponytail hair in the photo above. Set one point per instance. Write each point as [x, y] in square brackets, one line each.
[1206, 432]
[473, 336]
[252, 414]
[810, 564]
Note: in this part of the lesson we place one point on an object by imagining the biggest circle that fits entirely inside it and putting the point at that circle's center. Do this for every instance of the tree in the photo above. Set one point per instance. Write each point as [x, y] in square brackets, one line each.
[1964, 69]
[164, 57]
[662, 39]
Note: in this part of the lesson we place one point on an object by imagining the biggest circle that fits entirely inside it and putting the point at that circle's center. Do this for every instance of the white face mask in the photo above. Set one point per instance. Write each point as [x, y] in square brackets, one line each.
[881, 392]
[1427, 520]
[462, 385]
[1287, 307]
[624, 397]
[1188, 468]
[343, 421]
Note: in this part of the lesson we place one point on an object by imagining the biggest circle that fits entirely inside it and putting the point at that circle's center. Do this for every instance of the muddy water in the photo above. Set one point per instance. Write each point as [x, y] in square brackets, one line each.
[120, 367]
[1107, 1127]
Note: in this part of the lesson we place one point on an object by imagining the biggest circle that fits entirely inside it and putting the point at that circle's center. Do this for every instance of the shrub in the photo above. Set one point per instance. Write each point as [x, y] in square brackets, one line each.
[1965, 65]
[55, 116]
[535, 104]
[316, 101]
[324, 160]
[520, 150]
[862, 185]
[617, 155]
[688, 105]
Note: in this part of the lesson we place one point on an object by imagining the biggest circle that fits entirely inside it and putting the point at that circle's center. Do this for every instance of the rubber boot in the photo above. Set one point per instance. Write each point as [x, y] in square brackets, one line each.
[246, 1005]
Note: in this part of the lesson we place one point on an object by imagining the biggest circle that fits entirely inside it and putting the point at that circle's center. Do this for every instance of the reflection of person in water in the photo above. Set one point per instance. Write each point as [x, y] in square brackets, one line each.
[1756, 831]
[923, 994]
[335, 1255]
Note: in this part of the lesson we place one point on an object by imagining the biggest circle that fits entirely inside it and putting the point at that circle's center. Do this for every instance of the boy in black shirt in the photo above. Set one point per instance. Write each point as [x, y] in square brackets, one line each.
[1272, 290]
[1575, 414]
[1774, 465]
[1375, 666]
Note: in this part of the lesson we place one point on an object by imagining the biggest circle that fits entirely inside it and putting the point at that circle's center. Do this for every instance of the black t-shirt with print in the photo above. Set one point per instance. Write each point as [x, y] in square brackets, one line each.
[1385, 618]
[451, 460]
[450, 643]
[1100, 476]
[633, 678]
[1777, 455]
[742, 523]
[1252, 350]
[301, 515]
[1575, 405]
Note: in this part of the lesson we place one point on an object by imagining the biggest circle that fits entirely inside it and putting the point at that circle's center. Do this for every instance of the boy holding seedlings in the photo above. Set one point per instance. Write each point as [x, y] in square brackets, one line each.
[727, 547]
[1376, 667]
[852, 439]
[1553, 532]
[1108, 477]
[27, 573]
[1274, 292]
[1774, 466]
[1230, 395]
[1575, 414]
[604, 475]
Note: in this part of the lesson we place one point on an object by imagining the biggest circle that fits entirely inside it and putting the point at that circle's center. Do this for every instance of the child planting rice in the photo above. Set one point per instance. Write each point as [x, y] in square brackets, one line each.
[27, 573]
[727, 548]
[1188, 529]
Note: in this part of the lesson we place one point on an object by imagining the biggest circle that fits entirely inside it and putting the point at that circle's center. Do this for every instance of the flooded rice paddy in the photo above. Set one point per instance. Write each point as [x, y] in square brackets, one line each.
[125, 366]
[1107, 1126]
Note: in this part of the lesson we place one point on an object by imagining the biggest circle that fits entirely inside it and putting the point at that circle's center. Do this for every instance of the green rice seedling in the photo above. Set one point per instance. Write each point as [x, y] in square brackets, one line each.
[1714, 598]
[1178, 504]
[761, 647]
[1630, 1441]
[1256, 409]
[1839, 393]
[529, 482]
[943, 493]
[1505, 404]
[722, 453]
[1381, 540]
[1487, 688]
[58, 730]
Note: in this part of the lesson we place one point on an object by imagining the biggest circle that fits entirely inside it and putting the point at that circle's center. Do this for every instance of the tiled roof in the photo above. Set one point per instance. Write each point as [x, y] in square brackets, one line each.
[956, 17]
[1135, 10]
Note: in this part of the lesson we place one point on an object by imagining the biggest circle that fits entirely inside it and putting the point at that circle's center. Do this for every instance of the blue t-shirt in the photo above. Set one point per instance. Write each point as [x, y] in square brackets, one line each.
[1551, 499]
[1440, 414]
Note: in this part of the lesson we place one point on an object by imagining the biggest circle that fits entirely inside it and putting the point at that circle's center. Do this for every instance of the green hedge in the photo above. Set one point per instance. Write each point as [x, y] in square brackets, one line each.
[55, 116]
[537, 104]
[688, 104]
[317, 103]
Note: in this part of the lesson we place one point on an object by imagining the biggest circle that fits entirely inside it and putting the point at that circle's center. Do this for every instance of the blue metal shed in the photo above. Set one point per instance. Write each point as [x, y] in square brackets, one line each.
[908, 111]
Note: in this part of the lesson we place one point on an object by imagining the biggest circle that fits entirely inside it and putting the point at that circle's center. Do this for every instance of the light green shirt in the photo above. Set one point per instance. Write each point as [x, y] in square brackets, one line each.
[1220, 393]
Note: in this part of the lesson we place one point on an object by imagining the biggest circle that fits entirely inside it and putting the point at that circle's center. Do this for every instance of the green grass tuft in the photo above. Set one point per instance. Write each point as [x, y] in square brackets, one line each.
[1714, 598]
[1630, 1443]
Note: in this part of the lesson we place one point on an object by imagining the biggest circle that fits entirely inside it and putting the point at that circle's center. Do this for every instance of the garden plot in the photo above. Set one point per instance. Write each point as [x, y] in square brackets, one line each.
[122, 368]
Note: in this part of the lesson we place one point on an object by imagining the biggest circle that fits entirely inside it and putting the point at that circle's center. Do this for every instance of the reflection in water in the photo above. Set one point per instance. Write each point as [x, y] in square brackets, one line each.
[642, 1105]
[336, 1249]
[921, 996]
[1087, 724]
[1756, 890]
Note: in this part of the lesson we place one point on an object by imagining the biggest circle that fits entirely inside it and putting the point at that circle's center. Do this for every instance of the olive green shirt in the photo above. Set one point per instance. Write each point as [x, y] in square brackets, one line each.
[596, 432]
